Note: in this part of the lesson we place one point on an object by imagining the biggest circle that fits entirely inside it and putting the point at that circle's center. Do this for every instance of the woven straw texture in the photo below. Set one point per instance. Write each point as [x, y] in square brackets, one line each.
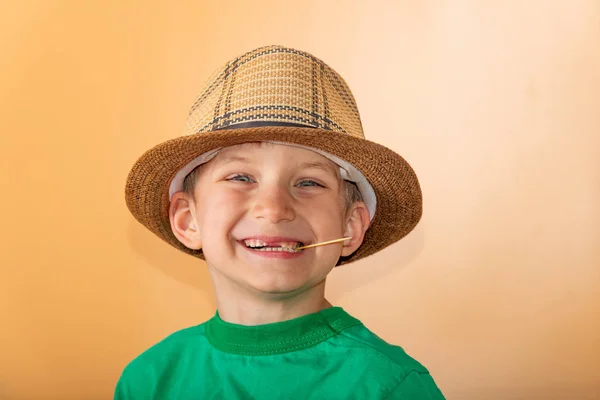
[278, 94]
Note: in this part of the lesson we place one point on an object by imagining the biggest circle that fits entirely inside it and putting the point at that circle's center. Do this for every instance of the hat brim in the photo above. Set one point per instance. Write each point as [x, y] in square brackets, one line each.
[399, 197]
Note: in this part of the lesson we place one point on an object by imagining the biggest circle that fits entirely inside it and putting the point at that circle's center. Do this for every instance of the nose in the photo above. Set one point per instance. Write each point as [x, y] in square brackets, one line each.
[273, 203]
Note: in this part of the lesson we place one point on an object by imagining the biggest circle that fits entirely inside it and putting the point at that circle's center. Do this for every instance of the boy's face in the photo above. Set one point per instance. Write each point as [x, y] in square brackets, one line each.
[254, 194]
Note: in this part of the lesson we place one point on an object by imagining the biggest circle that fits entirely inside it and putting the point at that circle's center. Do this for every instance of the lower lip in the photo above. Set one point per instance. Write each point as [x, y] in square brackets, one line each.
[285, 255]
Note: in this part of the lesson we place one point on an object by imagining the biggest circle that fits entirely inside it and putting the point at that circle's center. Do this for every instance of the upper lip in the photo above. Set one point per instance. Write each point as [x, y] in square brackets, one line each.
[275, 240]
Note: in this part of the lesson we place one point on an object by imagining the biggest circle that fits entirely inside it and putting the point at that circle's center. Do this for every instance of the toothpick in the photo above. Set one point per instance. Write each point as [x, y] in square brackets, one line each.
[323, 243]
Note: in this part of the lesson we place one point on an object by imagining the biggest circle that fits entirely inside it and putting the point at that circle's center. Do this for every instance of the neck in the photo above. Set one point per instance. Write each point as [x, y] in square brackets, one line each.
[244, 306]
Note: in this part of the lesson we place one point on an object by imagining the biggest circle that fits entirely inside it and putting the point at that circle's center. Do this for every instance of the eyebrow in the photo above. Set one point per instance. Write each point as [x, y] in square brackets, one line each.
[305, 165]
[230, 159]
[318, 165]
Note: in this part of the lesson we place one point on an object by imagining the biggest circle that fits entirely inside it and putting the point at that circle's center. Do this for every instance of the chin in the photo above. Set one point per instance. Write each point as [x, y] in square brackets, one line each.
[279, 287]
[282, 290]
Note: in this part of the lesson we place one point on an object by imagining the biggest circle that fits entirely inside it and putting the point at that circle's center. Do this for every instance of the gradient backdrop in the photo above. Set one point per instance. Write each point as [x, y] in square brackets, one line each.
[495, 104]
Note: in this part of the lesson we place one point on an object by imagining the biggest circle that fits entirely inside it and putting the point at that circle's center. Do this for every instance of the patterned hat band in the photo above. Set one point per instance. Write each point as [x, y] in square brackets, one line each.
[348, 172]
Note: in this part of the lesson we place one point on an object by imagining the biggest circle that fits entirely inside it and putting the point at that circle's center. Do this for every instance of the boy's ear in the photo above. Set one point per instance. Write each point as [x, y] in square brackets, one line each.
[357, 223]
[184, 224]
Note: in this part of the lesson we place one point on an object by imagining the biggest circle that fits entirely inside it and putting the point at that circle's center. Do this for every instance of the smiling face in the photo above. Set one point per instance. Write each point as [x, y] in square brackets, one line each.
[254, 203]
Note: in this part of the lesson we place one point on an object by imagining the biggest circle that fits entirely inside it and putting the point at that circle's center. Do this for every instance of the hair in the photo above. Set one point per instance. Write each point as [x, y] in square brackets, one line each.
[351, 192]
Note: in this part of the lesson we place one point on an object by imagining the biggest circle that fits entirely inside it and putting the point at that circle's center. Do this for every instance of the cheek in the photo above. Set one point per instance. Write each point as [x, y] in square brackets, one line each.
[326, 219]
[219, 210]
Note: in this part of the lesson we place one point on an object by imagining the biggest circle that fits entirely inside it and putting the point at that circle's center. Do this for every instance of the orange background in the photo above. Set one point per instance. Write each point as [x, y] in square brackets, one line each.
[495, 104]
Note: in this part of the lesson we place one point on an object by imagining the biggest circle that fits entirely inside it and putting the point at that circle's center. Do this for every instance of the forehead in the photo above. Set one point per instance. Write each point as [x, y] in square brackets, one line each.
[276, 153]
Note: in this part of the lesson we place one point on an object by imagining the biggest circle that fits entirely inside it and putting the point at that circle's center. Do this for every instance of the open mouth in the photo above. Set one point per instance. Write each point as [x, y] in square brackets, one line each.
[259, 245]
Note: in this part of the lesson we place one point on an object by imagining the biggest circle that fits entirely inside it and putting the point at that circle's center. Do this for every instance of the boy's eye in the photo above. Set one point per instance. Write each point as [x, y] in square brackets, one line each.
[308, 182]
[248, 179]
[240, 178]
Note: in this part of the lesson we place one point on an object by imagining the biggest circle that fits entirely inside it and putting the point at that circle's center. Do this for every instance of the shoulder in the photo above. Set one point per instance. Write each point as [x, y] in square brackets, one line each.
[363, 340]
[386, 366]
[150, 365]
[169, 346]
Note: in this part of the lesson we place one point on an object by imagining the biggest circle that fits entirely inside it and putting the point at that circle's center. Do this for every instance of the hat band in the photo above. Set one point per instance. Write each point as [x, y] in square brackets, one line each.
[259, 124]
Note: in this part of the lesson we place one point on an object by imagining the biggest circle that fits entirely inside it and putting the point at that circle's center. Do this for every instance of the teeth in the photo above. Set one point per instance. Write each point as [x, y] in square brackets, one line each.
[278, 249]
[259, 245]
[255, 243]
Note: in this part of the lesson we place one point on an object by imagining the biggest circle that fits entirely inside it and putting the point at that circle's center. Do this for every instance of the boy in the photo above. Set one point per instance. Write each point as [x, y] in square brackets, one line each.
[274, 159]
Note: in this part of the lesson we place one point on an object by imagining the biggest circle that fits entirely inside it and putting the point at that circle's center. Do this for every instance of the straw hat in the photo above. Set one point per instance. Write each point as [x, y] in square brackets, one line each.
[280, 95]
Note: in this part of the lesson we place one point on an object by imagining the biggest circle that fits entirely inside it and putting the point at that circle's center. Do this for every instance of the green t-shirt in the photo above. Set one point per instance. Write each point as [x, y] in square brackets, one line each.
[325, 355]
